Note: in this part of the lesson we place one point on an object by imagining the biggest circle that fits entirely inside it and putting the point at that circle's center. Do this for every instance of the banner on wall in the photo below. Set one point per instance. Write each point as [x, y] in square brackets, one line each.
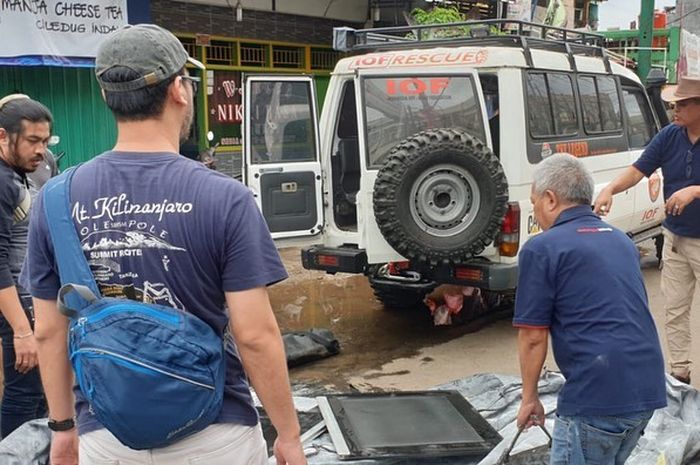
[224, 97]
[689, 60]
[56, 32]
[520, 10]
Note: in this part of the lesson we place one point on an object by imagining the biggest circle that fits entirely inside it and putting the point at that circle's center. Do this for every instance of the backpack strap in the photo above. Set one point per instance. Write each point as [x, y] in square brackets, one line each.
[73, 267]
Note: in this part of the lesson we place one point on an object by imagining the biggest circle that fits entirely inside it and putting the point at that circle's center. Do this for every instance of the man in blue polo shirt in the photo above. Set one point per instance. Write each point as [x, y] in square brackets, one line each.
[675, 150]
[580, 282]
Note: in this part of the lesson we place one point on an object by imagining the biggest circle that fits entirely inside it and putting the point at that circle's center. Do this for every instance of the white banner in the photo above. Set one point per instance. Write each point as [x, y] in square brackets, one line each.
[689, 61]
[56, 28]
[520, 10]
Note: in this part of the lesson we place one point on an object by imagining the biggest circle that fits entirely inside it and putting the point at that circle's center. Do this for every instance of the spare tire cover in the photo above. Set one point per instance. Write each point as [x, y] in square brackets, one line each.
[440, 197]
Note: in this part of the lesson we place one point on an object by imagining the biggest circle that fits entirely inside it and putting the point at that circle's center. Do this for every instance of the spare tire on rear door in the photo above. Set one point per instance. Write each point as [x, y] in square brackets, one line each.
[440, 197]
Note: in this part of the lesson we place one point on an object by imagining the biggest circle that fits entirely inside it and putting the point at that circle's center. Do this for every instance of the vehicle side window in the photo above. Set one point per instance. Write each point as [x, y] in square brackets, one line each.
[600, 103]
[589, 104]
[641, 126]
[347, 119]
[551, 105]
[489, 86]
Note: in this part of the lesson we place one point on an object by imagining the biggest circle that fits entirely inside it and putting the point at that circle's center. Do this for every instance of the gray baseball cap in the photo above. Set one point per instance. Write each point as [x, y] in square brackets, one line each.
[153, 52]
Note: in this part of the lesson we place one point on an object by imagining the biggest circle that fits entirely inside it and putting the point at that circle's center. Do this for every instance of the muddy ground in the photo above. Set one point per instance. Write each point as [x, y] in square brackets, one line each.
[390, 350]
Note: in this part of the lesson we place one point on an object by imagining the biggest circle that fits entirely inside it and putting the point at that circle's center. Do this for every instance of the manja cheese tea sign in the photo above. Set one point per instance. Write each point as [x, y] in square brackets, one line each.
[57, 28]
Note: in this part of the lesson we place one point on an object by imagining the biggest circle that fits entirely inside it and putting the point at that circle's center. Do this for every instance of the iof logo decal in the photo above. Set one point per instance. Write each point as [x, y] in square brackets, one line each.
[546, 150]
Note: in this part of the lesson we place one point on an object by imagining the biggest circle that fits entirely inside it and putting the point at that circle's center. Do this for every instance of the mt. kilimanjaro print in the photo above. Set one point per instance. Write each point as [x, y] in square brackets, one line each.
[117, 240]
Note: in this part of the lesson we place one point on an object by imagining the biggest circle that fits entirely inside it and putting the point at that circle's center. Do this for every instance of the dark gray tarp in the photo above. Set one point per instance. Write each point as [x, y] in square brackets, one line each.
[306, 346]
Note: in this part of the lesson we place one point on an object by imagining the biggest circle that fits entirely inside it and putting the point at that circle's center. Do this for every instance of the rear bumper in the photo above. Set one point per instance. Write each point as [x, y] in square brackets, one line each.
[482, 274]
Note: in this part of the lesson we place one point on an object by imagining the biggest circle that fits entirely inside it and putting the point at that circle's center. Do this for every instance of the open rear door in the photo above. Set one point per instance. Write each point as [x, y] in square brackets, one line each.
[281, 153]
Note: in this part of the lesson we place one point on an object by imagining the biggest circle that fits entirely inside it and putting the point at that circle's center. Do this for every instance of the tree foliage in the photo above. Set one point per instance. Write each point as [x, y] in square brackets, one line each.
[443, 15]
[437, 15]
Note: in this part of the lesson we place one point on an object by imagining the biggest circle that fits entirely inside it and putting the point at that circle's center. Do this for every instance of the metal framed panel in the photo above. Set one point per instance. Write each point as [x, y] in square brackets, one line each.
[406, 424]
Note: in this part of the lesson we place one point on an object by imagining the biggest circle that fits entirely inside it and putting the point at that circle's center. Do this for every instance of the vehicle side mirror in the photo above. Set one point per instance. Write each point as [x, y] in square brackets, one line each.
[210, 136]
[54, 140]
[656, 79]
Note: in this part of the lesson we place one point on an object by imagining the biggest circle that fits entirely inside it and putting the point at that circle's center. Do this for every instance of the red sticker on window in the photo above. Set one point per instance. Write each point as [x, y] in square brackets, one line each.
[415, 86]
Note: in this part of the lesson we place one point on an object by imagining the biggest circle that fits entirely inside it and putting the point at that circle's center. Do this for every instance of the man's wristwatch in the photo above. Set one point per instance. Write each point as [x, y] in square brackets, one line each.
[63, 425]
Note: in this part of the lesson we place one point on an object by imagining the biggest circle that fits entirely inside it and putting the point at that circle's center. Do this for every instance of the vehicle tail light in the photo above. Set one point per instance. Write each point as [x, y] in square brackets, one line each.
[469, 274]
[328, 260]
[509, 242]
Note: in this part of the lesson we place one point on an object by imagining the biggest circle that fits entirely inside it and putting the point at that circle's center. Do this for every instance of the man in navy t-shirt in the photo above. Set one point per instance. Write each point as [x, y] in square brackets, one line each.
[158, 227]
[580, 282]
[676, 151]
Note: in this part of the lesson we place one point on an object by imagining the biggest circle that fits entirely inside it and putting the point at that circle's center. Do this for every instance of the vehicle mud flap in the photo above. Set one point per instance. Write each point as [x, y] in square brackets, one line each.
[440, 197]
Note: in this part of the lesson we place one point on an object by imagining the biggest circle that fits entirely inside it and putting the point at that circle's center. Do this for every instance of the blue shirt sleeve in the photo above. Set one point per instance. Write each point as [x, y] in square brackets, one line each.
[652, 157]
[534, 299]
[39, 273]
[250, 257]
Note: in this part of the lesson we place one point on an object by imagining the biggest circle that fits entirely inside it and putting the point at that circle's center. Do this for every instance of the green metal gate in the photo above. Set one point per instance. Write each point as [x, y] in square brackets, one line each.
[81, 118]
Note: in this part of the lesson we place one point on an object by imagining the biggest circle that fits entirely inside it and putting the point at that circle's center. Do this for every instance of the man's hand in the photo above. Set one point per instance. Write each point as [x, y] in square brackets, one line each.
[603, 203]
[25, 354]
[64, 448]
[530, 413]
[289, 452]
[680, 199]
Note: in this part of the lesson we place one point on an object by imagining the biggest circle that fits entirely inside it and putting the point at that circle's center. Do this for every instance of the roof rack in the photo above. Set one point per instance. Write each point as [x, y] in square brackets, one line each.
[483, 33]
[347, 39]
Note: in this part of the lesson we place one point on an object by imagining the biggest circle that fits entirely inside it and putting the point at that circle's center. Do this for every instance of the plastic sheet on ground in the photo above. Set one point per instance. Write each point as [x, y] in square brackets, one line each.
[671, 438]
[27, 445]
[307, 346]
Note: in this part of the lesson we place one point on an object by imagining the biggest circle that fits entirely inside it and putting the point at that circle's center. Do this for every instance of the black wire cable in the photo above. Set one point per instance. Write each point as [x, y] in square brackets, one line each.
[688, 13]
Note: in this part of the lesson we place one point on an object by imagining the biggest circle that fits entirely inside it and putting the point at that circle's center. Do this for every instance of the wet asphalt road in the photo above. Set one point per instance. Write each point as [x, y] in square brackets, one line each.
[390, 350]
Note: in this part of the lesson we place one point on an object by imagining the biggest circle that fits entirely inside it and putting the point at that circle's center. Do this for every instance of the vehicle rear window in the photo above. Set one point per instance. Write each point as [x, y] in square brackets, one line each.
[551, 105]
[396, 108]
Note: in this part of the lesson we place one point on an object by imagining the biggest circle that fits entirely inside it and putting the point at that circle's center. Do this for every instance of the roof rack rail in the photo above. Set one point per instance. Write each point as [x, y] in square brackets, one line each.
[490, 32]
[347, 39]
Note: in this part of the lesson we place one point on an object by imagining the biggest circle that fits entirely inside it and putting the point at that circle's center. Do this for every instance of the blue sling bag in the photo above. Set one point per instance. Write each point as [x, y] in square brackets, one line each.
[152, 374]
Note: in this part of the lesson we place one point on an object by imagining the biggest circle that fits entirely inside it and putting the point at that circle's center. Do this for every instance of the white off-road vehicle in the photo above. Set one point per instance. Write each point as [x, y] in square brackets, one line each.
[420, 169]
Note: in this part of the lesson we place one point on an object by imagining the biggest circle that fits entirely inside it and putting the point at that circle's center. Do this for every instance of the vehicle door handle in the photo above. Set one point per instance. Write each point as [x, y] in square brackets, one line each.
[279, 169]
